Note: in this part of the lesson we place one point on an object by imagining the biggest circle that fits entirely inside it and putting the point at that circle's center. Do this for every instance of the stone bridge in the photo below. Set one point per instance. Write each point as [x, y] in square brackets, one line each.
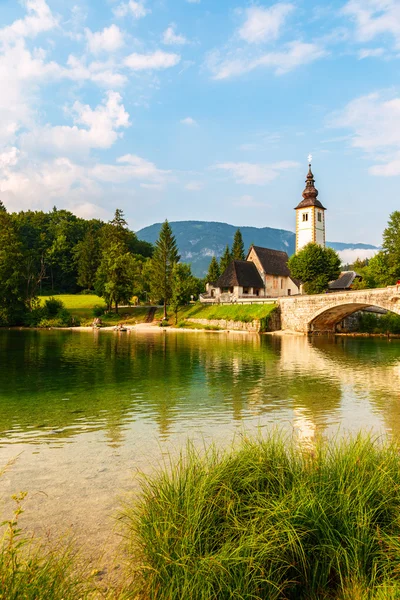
[322, 312]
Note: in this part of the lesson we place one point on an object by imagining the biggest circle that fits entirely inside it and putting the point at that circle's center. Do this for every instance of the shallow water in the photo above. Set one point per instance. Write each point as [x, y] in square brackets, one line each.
[81, 412]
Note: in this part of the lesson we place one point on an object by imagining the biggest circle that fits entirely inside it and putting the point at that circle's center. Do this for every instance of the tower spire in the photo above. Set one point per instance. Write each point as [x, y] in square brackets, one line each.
[310, 219]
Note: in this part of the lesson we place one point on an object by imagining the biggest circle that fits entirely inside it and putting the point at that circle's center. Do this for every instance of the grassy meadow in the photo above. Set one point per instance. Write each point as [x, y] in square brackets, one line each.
[81, 306]
[265, 520]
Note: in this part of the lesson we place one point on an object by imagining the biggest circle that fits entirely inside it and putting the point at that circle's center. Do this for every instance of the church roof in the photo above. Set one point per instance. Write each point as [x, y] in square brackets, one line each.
[242, 273]
[310, 194]
[274, 262]
[344, 281]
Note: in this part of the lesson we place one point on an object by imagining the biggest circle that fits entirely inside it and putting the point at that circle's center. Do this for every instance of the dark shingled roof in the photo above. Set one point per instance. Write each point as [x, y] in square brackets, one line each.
[242, 273]
[345, 281]
[274, 262]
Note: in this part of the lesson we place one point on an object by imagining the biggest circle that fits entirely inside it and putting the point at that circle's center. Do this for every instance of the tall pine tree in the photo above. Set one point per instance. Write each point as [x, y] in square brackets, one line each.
[164, 258]
[225, 259]
[87, 256]
[238, 246]
[213, 271]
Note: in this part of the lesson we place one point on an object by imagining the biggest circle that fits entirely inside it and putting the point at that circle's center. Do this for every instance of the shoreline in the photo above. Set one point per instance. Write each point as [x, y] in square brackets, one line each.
[147, 327]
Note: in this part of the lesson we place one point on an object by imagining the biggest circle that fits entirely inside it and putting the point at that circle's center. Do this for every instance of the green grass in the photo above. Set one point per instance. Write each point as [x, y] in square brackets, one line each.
[32, 572]
[269, 521]
[236, 312]
[80, 305]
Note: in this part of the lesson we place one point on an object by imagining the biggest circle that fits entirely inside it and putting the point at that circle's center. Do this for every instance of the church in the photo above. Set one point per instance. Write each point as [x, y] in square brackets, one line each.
[265, 273]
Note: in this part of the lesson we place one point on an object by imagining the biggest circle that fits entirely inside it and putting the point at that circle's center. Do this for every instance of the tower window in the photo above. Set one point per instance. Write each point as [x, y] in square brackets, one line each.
[319, 217]
[305, 216]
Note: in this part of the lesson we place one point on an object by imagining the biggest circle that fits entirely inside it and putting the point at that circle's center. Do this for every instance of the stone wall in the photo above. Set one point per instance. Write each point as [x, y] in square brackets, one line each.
[322, 312]
[252, 327]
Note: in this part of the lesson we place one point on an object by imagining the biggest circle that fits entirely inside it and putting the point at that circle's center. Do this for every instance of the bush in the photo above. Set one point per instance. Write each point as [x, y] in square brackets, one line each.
[52, 306]
[371, 323]
[98, 310]
[268, 521]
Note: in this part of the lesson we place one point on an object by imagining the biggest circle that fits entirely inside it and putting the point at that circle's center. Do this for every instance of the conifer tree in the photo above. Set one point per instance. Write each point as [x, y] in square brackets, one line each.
[213, 271]
[164, 258]
[238, 246]
[225, 259]
[87, 257]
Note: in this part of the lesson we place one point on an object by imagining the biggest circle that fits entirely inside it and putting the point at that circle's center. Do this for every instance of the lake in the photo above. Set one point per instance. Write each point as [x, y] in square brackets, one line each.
[82, 413]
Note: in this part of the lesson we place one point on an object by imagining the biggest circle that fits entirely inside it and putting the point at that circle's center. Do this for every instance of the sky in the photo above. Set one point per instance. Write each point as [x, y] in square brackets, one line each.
[202, 110]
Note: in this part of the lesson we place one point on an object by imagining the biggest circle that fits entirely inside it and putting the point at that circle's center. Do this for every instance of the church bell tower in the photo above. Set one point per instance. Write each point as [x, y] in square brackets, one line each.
[310, 215]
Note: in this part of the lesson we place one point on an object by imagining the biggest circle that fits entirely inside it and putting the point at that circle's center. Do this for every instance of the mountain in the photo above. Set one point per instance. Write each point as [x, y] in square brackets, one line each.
[198, 241]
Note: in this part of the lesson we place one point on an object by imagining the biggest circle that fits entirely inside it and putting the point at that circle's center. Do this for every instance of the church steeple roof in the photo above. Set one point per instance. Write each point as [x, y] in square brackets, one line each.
[310, 194]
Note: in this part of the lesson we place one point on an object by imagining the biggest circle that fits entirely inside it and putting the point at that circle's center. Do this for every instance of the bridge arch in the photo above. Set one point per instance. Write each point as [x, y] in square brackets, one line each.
[327, 319]
[322, 312]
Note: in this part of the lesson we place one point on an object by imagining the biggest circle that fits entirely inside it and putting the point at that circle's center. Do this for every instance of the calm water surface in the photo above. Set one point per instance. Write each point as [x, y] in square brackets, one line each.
[81, 413]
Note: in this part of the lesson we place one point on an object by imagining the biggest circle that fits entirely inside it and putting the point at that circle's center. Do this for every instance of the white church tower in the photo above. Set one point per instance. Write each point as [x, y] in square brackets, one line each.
[310, 215]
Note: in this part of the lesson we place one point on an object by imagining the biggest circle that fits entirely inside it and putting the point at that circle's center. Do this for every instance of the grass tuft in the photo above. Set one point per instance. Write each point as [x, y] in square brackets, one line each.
[268, 520]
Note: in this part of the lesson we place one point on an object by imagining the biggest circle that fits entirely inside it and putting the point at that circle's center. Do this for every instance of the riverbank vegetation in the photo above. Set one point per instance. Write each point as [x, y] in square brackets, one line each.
[265, 519]
[58, 253]
[383, 324]
[245, 313]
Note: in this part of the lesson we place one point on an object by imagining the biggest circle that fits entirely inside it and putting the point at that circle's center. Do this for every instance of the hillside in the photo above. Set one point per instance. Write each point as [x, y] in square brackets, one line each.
[198, 241]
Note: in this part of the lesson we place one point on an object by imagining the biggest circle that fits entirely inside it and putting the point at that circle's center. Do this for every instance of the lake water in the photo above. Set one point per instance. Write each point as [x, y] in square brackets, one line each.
[81, 413]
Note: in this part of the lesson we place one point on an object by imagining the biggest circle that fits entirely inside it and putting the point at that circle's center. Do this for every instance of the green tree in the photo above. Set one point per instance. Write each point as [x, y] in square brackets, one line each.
[12, 288]
[213, 271]
[2, 207]
[87, 257]
[315, 266]
[181, 287]
[238, 246]
[164, 258]
[391, 246]
[115, 276]
[380, 271]
[226, 258]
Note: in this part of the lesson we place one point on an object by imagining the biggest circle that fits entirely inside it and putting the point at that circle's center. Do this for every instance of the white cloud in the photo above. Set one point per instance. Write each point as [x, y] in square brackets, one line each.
[9, 157]
[247, 201]
[93, 128]
[370, 53]
[293, 55]
[171, 38]
[350, 255]
[256, 174]
[108, 40]
[264, 24]
[188, 121]
[82, 188]
[88, 210]
[39, 19]
[155, 61]
[21, 73]
[136, 9]
[103, 73]
[130, 167]
[373, 18]
[152, 186]
[374, 121]
[194, 186]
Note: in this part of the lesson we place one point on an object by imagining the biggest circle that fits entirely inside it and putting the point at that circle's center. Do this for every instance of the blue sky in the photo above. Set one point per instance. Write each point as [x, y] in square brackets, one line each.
[206, 109]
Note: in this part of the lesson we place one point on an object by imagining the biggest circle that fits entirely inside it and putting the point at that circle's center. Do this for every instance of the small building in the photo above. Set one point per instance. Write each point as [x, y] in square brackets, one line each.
[264, 274]
[344, 282]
